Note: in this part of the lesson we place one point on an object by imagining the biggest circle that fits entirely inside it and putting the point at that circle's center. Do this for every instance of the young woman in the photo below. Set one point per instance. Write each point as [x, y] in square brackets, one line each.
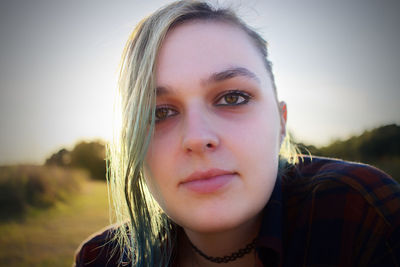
[201, 173]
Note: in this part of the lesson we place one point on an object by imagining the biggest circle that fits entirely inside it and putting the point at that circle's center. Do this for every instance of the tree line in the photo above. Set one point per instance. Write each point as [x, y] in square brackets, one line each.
[85, 155]
[379, 147]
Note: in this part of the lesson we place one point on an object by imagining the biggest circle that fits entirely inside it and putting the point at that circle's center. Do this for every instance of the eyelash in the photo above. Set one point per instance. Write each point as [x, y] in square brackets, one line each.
[167, 109]
[240, 94]
[237, 93]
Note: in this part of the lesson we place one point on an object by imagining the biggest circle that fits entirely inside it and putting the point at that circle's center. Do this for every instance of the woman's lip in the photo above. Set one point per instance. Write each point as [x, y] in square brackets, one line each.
[200, 175]
[208, 181]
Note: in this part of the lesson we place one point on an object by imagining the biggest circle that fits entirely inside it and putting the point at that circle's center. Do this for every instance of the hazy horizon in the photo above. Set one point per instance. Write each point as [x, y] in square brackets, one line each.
[336, 65]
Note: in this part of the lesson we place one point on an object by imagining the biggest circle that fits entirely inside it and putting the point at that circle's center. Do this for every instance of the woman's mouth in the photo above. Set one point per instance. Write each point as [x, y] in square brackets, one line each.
[206, 182]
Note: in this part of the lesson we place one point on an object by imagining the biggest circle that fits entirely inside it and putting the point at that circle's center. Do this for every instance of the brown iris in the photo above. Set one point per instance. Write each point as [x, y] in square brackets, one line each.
[231, 98]
[161, 113]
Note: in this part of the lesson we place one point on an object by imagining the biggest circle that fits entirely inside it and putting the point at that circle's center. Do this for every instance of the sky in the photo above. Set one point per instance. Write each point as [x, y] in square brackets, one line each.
[336, 65]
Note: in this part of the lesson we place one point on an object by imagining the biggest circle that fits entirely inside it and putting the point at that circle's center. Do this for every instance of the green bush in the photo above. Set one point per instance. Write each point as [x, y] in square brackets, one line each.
[85, 155]
[25, 186]
[90, 156]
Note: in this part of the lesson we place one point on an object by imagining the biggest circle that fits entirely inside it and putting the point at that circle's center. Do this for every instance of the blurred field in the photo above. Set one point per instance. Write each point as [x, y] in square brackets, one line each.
[51, 236]
[28, 187]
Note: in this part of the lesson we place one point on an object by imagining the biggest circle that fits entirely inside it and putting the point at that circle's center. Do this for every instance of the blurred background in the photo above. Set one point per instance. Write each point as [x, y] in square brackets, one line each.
[336, 64]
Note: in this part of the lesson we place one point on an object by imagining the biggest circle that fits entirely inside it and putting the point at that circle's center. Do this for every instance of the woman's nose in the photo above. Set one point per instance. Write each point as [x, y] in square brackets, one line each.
[198, 133]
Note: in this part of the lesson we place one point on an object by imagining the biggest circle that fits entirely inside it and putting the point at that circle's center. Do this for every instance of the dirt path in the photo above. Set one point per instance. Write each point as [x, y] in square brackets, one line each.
[50, 238]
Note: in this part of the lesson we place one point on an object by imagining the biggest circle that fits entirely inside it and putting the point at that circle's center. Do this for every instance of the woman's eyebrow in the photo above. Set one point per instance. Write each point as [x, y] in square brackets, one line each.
[231, 73]
[161, 90]
[216, 77]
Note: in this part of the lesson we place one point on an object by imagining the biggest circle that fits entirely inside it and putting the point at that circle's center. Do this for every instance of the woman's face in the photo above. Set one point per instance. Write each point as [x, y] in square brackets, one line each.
[212, 161]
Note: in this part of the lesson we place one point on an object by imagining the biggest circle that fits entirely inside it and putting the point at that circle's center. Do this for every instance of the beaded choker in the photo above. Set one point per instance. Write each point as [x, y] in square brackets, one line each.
[225, 259]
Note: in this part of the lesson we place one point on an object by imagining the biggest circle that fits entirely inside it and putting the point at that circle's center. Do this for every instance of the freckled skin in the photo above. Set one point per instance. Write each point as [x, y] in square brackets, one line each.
[200, 135]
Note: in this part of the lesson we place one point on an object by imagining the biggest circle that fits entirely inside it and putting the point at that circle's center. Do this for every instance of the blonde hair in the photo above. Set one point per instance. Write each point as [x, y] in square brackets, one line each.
[146, 236]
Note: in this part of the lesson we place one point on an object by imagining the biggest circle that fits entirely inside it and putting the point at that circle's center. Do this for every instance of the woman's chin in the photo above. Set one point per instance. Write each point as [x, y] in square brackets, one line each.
[216, 223]
[210, 227]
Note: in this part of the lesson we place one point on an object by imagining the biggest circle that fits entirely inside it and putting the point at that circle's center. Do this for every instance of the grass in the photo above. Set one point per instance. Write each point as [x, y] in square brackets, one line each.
[50, 237]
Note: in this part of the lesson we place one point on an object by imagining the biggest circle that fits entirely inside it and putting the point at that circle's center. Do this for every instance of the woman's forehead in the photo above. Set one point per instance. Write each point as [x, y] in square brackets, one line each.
[202, 32]
[201, 48]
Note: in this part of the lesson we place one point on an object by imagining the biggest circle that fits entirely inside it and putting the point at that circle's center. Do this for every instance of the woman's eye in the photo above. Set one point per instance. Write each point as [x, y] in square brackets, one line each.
[163, 113]
[233, 98]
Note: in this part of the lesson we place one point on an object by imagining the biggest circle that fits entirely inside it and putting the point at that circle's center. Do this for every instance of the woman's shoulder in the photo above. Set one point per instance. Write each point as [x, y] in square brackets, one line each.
[364, 178]
[99, 249]
[338, 183]
[320, 166]
[358, 203]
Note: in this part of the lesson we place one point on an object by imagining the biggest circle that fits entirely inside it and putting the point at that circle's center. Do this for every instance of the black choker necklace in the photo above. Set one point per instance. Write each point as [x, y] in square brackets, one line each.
[225, 259]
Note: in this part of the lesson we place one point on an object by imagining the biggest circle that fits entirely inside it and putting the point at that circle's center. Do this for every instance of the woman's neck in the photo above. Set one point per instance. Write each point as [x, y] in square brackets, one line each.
[219, 244]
